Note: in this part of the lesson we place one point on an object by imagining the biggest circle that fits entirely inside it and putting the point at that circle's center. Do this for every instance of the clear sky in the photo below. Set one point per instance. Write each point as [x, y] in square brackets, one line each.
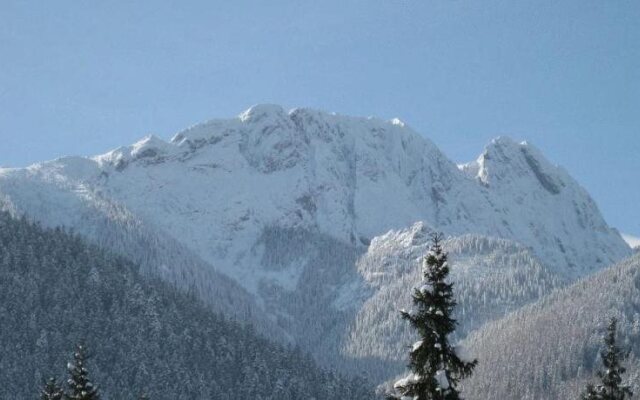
[82, 77]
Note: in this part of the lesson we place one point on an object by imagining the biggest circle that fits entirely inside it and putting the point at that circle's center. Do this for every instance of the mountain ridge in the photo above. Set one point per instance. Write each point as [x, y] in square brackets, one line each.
[270, 140]
[274, 205]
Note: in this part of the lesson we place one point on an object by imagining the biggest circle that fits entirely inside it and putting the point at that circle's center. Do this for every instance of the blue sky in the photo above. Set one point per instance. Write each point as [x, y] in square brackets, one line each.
[84, 77]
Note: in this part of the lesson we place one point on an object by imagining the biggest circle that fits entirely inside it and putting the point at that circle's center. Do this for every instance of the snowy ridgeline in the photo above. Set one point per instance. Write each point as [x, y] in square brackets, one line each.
[216, 186]
[305, 223]
[144, 336]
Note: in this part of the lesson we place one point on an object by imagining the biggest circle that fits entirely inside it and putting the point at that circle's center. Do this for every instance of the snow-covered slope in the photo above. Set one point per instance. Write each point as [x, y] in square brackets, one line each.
[57, 194]
[351, 178]
[492, 277]
[550, 349]
[277, 208]
[540, 205]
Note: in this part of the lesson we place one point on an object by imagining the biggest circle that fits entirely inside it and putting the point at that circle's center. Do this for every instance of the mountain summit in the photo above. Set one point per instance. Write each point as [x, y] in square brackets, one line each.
[350, 178]
[260, 210]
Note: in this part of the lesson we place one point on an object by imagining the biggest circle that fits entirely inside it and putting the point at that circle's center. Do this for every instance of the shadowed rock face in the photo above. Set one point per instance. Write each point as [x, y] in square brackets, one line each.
[545, 180]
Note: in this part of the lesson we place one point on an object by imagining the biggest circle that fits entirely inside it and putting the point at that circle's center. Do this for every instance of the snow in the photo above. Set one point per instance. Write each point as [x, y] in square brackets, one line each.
[399, 122]
[527, 187]
[217, 187]
[151, 145]
[404, 382]
[256, 166]
[463, 353]
[631, 240]
[425, 287]
[441, 378]
[260, 111]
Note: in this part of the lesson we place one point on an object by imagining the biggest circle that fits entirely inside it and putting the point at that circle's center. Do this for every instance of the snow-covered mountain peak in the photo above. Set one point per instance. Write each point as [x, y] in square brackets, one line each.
[398, 122]
[271, 139]
[218, 185]
[505, 161]
[150, 149]
[286, 203]
[258, 112]
[149, 142]
[519, 174]
[263, 119]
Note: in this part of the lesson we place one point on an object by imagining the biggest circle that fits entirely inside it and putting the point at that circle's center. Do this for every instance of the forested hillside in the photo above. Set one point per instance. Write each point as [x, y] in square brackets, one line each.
[55, 291]
[492, 277]
[549, 350]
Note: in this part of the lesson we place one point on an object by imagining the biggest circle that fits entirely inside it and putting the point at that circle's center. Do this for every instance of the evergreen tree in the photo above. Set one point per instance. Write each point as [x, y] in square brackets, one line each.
[80, 386]
[611, 387]
[436, 367]
[52, 391]
[590, 393]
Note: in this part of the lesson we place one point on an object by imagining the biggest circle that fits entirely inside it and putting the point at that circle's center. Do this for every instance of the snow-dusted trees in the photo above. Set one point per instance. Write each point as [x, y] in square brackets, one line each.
[611, 387]
[436, 366]
[80, 386]
[145, 335]
[524, 356]
[52, 391]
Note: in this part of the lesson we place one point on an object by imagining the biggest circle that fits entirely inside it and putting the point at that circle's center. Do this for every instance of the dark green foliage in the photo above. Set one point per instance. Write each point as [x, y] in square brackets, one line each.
[611, 387]
[436, 368]
[80, 386]
[52, 391]
[55, 290]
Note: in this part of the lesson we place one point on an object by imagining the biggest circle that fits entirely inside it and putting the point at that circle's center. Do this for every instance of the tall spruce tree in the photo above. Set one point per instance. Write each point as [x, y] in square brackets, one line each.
[611, 387]
[81, 388]
[52, 391]
[436, 367]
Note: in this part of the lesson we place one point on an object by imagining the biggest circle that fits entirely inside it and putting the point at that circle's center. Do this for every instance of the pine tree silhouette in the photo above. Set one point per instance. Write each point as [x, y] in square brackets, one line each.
[436, 367]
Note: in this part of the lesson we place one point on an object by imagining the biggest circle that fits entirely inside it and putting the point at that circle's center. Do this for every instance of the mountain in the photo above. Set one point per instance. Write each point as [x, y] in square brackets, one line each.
[540, 205]
[550, 349]
[57, 291]
[492, 277]
[278, 217]
[632, 241]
